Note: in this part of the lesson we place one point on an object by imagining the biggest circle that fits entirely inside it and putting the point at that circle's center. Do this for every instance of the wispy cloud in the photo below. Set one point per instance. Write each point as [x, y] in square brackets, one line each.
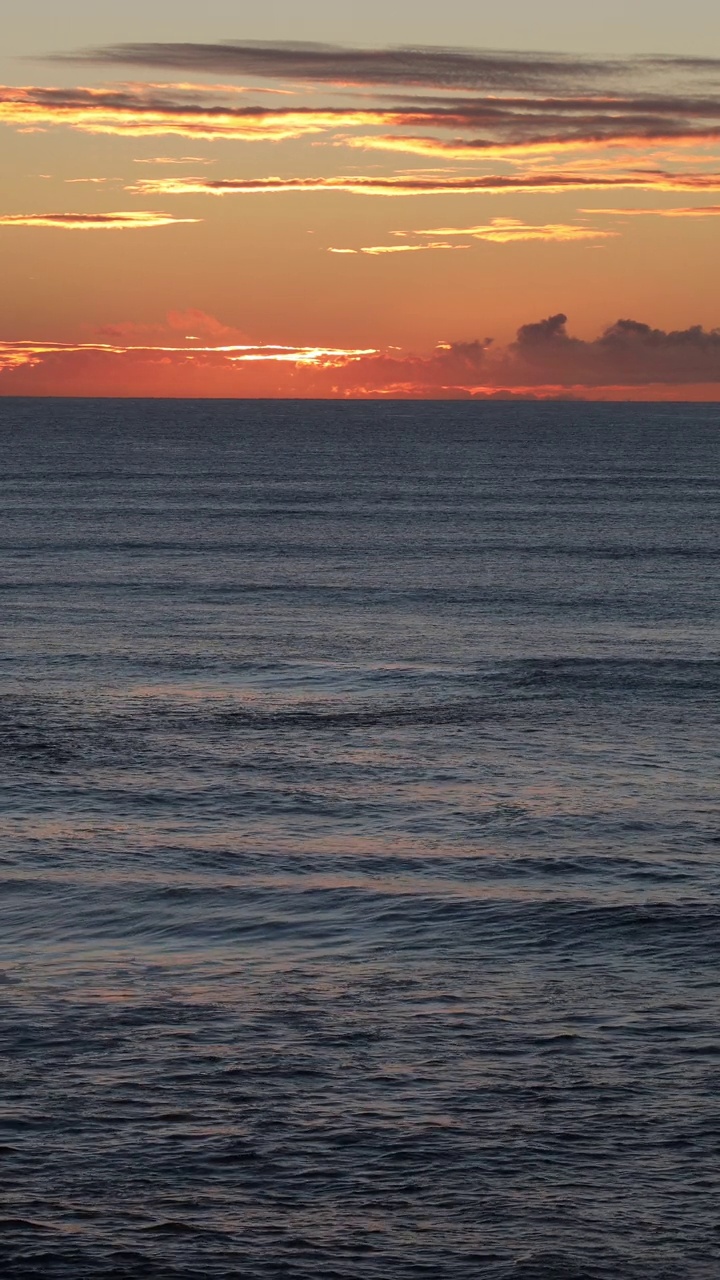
[542, 180]
[127, 221]
[507, 230]
[174, 160]
[13, 355]
[551, 141]
[509, 126]
[378, 249]
[492, 105]
[481, 70]
[497, 231]
[137, 112]
[692, 211]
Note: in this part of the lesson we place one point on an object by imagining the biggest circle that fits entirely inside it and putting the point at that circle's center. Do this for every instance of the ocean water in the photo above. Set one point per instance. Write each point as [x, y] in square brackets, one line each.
[360, 841]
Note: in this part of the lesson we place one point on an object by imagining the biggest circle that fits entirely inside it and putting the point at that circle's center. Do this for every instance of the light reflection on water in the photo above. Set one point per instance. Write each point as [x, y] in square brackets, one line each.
[360, 837]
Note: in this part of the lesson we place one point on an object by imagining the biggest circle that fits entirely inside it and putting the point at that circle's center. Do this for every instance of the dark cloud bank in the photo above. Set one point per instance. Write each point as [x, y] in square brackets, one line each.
[515, 98]
[628, 353]
[416, 66]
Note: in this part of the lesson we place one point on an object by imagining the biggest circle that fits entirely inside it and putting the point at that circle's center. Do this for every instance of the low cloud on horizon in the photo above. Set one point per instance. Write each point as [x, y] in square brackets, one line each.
[544, 361]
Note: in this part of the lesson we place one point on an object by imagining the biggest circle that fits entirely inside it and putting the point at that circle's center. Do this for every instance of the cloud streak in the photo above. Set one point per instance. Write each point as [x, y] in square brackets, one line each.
[550, 142]
[464, 105]
[691, 211]
[16, 353]
[509, 230]
[443, 68]
[497, 231]
[511, 126]
[173, 160]
[149, 112]
[545, 181]
[379, 249]
[126, 221]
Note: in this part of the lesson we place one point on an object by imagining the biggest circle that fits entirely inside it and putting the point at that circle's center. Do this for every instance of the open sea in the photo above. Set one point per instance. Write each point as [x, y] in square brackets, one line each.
[360, 841]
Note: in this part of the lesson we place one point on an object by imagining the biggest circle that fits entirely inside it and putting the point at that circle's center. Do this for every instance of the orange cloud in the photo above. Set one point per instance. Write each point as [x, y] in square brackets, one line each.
[174, 160]
[514, 151]
[92, 221]
[694, 211]
[511, 126]
[147, 113]
[508, 230]
[618, 137]
[639, 179]
[376, 249]
[17, 353]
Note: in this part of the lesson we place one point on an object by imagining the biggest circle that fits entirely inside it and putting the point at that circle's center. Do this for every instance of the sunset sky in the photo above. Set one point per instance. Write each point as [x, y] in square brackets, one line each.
[404, 199]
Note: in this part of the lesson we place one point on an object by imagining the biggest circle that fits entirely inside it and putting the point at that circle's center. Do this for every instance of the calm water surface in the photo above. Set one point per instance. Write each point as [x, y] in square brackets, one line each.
[360, 841]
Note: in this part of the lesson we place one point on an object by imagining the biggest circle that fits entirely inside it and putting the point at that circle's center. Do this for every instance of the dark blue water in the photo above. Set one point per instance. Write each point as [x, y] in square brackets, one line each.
[360, 841]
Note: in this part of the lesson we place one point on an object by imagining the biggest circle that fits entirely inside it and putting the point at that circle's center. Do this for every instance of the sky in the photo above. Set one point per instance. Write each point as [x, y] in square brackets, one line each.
[385, 200]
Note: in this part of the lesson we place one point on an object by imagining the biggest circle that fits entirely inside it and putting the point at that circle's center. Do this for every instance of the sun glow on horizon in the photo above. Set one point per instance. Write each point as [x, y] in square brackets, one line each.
[524, 139]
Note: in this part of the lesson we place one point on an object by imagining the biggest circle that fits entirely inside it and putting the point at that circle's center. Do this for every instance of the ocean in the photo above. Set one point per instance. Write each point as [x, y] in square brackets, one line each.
[360, 841]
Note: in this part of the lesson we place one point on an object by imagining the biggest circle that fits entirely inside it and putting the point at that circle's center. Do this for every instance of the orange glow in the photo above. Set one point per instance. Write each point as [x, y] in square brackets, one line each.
[680, 364]
[525, 139]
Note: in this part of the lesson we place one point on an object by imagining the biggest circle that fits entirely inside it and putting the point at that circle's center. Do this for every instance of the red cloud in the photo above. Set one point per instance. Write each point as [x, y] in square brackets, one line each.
[176, 327]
